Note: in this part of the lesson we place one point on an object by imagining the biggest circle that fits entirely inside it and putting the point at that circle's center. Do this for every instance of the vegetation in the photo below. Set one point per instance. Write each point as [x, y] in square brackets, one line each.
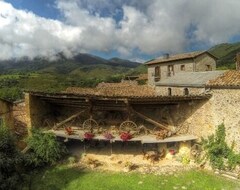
[10, 160]
[64, 177]
[82, 70]
[45, 149]
[221, 156]
[226, 53]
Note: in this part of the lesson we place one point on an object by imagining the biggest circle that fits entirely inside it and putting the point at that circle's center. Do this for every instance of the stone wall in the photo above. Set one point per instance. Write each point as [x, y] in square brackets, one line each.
[163, 90]
[223, 107]
[198, 64]
[202, 61]
[164, 69]
[36, 111]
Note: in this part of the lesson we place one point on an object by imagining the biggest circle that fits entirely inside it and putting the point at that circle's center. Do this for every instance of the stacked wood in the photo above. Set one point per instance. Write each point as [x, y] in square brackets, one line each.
[161, 134]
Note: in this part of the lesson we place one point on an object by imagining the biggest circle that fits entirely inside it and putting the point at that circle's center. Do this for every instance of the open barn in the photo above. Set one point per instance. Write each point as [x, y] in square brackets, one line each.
[122, 112]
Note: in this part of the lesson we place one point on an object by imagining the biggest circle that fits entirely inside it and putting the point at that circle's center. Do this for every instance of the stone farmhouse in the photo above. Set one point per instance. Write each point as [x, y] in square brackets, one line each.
[166, 66]
[200, 77]
[186, 98]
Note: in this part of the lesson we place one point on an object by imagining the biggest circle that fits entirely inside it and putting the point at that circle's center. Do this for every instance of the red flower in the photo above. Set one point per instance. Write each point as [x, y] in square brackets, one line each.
[88, 135]
[125, 136]
[172, 151]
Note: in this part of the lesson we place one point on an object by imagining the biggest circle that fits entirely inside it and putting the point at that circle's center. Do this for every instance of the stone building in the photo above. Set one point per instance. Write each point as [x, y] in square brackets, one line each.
[188, 103]
[169, 65]
[200, 118]
[6, 116]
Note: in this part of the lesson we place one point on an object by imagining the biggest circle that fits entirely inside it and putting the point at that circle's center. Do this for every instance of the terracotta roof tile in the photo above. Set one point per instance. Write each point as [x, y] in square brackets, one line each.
[176, 57]
[124, 89]
[228, 79]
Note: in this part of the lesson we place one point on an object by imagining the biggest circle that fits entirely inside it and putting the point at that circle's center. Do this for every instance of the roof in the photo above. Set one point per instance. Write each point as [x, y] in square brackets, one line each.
[190, 79]
[123, 89]
[176, 57]
[111, 102]
[229, 79]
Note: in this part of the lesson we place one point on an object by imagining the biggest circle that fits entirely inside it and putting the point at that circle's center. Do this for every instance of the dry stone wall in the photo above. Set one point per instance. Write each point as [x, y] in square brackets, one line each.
[223, 107]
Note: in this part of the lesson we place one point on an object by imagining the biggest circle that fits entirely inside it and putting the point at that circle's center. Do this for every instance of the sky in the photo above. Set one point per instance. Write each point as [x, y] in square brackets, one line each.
[138, 30]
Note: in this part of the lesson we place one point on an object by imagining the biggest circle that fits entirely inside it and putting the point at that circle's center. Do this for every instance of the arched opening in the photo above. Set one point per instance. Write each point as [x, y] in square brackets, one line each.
[169, 92]
[186, 91]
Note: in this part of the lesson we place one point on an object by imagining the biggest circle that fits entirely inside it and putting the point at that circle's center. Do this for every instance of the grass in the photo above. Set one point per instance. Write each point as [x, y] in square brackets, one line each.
[64, 178]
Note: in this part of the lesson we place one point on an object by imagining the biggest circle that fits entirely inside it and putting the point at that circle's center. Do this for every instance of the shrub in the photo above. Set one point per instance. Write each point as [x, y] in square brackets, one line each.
[44, 149]
[10, 159]
[220, 155]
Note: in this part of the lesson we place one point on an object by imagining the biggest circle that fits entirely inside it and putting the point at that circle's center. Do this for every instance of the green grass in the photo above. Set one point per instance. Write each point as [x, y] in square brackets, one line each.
[65, 178]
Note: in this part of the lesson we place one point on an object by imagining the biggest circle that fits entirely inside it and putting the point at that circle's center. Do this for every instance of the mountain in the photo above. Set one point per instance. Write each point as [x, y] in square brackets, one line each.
[226, 53]
[41, 74]
[79, 64]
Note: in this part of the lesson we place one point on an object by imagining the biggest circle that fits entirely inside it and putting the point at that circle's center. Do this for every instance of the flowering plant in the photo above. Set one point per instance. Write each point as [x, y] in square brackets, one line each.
[172, 151]
[108, 135]
[88, 135]
[125, 136]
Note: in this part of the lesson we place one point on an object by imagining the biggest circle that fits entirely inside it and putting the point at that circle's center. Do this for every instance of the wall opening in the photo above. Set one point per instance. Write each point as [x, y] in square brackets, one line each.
[186, 91]
[170, 70]
[208, 68]
[169, 92]
[182, 67]
[157, 74]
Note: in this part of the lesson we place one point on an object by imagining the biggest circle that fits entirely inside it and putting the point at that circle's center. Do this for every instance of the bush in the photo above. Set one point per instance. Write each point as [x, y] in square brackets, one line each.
[220, 155]
[10, 159]
[44, 149]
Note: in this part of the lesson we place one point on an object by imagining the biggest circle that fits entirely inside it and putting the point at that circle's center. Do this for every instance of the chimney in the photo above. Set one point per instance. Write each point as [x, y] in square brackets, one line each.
[238, 61]
[166, 55]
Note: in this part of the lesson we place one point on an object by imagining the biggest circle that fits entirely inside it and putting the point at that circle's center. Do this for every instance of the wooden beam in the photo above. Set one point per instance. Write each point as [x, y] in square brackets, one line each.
[151, 120]
[68, 119]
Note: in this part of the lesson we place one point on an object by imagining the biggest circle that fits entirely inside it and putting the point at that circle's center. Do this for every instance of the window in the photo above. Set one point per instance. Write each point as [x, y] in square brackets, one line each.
[157, 73]
[169, 92]
[170, 70]
[182, 68]
[186, 91]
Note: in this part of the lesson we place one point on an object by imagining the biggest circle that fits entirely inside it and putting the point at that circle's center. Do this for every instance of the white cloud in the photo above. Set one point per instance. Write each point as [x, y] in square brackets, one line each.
[149, 27]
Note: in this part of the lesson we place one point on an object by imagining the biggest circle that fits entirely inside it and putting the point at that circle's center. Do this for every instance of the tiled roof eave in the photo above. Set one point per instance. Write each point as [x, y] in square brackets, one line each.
[182, 85]
[100, 97]
[167, 61]
[223, 86]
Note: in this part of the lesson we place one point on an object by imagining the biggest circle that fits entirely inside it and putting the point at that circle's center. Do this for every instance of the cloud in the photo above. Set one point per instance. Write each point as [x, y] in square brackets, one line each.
[147, 27]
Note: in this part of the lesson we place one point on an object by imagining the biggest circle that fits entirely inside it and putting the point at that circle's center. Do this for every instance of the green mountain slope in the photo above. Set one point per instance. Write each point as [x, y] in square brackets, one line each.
[226, 54]
[40, 74]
